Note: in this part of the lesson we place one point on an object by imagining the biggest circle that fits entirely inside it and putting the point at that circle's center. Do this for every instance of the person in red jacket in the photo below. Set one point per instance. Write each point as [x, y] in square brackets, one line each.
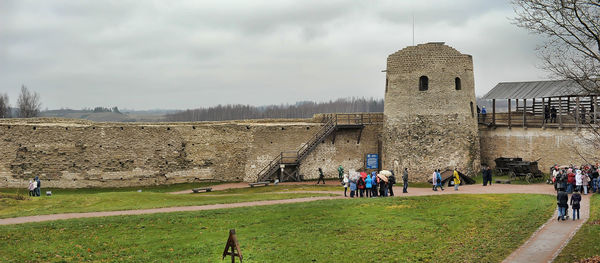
[570, 181]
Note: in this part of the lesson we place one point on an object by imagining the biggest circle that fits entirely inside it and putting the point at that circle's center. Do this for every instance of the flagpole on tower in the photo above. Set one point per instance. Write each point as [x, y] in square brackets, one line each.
[413, 24]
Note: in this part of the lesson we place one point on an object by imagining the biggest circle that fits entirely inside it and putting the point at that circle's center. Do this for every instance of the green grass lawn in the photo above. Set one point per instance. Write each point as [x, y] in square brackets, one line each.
[89, 200]
[586, 243]
[150, 188]
[453, 228]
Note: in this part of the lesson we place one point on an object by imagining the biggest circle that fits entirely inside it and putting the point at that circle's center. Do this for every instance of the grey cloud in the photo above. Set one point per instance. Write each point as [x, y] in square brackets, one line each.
[185, 54]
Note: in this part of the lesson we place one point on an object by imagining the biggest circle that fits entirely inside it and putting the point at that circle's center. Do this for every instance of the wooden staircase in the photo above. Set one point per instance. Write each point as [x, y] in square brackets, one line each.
[288, 162]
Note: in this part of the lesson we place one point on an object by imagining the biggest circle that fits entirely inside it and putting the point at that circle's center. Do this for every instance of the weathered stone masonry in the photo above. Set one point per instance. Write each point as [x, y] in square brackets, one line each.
[67, 153]
[430, 125]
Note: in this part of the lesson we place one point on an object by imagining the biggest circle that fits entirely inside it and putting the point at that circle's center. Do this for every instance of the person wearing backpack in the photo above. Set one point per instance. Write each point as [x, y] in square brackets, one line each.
[562, 202]
[38, 188]
[340, 172]
[439, 179]
[391, 182]
[352, 188]
[374, 182]
[575, 204]
[361, 185]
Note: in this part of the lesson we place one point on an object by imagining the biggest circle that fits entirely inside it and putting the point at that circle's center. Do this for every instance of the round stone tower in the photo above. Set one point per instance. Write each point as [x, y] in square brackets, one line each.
[430, 116]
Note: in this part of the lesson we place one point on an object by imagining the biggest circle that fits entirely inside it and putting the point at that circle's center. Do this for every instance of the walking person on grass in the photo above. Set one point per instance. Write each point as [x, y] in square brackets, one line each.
[321, 176]
[340, 172]
[405, 180]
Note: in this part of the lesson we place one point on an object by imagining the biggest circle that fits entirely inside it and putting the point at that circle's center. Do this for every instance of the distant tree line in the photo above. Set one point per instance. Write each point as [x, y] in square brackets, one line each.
[102, 109]
[305, 109]
[28, 104]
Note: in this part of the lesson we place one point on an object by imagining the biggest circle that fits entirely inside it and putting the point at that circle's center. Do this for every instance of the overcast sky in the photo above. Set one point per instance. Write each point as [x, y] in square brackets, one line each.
[187, 54]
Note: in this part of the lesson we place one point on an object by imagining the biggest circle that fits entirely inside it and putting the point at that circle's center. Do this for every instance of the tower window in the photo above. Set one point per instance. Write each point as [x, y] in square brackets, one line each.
[457, 83]
[387, 81]
[472, 112]
[423, 83]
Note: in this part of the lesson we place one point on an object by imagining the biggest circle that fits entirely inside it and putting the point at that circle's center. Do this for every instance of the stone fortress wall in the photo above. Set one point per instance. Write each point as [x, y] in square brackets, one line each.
[69, 153]
[550, 146]
[74, 153]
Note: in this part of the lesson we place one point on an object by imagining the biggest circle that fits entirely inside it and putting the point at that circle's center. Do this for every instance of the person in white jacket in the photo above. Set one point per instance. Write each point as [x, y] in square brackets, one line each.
[578, 181]
[345, 182]
[434, 181]
[32, 186]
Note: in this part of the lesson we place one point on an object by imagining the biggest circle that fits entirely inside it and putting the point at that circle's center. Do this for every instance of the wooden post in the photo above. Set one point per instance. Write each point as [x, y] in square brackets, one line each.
[577, 120]
[533, 107]
[560, 110]
[509, 110]
[232, 244]
[524, 110]
[494, 112]
[544, 112]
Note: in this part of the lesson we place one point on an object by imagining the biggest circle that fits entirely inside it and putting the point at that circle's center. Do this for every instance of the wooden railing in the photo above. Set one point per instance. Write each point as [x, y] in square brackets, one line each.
[331, 122]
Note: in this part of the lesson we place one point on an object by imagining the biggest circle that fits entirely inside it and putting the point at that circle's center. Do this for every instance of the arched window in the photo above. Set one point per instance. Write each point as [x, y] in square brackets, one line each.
[423, 83]
[457, 83]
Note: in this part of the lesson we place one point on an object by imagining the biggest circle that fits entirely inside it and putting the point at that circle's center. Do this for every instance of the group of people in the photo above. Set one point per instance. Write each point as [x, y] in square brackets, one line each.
[578, 179]
[35, 186]
[363, 184]
[574, 180]
[437, 181]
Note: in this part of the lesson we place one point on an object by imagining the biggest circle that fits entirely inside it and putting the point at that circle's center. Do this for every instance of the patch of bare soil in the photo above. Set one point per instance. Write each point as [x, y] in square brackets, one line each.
[597, 222]
[595, 259]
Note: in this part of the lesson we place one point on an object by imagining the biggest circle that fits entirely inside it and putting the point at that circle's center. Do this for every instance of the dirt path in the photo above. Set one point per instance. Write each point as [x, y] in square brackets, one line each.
[40, 218]
[226, 186]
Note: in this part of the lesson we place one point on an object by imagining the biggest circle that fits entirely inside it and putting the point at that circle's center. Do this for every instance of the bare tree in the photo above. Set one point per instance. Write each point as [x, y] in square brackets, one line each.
[4, 106]
[572, 32]
[572, 47]
[29, 103]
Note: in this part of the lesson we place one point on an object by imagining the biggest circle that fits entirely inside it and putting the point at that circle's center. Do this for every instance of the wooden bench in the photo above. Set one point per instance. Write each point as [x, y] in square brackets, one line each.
[259, 183]
[205, 189]
[503, 181]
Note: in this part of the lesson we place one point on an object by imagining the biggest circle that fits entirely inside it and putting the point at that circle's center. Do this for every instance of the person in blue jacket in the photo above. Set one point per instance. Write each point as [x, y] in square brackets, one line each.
[374, 184]
[368, 185]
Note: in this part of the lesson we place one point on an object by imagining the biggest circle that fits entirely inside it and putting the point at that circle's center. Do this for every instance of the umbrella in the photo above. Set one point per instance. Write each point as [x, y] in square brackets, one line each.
[385, 172]
[354, 176]
[382, 177]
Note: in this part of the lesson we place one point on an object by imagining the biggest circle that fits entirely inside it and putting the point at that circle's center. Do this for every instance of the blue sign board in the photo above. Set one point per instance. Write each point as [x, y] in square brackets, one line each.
[372, 161]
